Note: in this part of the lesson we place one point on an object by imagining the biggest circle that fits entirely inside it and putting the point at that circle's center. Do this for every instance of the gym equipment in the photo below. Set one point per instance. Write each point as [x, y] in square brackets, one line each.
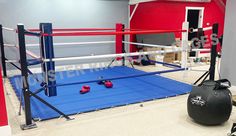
[210, 103]
[211, 71]
[85, 89]
[108, 84]
[131, 84]
[145, 62]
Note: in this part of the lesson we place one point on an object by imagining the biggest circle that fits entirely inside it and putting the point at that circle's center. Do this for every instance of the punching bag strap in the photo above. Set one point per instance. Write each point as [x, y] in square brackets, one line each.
[222, 84]
[233, 130]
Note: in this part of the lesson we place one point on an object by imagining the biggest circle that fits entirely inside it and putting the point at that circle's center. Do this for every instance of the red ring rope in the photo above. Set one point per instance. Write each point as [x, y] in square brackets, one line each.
[75, 29]
[83, 29]
[112, 33]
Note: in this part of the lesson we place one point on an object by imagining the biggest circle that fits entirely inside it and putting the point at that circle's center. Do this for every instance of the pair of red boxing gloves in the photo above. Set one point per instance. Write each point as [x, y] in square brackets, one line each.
[106, 83]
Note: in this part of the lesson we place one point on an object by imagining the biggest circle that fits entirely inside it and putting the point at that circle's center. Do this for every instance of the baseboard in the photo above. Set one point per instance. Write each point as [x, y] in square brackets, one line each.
[5, 130]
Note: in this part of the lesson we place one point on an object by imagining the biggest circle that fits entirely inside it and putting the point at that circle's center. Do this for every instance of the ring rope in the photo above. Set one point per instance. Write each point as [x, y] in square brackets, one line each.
[200, 49]
[9, 29]
[106, 42]
[116, 55]
[42, 83]
[31, 54]
[9, 45]
[27, 51]
[120, 77]
[75, 29]
[122, 32]
[149, 45]
[85, 29]
[112, 33]
[112, 55]
[99, 29]
[12, 61]
[175, 49]
[73, 43]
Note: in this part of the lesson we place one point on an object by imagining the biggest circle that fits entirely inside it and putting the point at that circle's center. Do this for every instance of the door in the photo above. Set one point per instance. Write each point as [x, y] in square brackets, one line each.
[193, 19]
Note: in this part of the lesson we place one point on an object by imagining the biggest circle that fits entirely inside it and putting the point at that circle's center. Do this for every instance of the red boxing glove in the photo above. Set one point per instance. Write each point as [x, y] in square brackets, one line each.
[108, 84]
[85, 89]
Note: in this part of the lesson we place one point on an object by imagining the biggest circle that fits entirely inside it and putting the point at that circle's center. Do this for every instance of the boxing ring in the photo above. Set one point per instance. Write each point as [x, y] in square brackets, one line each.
[124, 92]
[57, 94]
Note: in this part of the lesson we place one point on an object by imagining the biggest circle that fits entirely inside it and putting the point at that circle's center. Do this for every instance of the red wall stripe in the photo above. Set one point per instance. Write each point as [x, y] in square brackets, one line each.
[3, 112]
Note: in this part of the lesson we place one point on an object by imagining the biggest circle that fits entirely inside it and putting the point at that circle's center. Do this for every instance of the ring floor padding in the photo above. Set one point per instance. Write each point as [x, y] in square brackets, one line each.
[124, 91]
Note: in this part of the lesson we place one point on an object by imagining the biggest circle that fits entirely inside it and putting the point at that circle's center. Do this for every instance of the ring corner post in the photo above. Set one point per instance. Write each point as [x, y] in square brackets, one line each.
[120, 46]
[123, 45]
[24, 73]
[200, 34]
[47, 52]
[184, 44]
[215, 28]
[3, 59]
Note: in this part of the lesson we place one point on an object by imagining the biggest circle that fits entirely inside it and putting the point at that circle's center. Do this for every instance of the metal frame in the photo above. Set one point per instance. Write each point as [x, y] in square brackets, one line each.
[3, 59]
[24, 73]
[211, 71]
[29, 124]
[213, 51]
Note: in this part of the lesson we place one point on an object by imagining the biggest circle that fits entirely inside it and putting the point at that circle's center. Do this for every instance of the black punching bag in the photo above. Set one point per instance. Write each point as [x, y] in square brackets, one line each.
[210, 103]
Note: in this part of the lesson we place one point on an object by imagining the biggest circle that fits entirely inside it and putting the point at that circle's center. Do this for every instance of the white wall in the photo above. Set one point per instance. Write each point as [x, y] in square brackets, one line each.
[228, 64]
[64, 14]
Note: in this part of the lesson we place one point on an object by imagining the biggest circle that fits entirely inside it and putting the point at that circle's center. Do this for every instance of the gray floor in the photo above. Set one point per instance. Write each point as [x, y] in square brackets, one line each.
[166, 117]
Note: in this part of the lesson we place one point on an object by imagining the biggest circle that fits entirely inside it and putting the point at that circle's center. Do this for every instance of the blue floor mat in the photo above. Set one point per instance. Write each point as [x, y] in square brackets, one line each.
[124, 91]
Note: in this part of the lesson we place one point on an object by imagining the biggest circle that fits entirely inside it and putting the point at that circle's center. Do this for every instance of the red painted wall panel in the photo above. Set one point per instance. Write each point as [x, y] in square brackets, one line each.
[3, 112]
[171, 15]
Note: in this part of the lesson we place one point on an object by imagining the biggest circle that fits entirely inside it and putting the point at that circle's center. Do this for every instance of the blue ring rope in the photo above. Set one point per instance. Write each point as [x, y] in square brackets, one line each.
[167, 64]
[121, 77]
